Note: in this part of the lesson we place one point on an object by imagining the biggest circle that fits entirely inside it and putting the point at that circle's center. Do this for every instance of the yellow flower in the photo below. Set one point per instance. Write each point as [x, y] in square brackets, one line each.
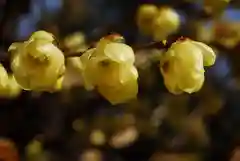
[75, 42]
[110, 69]
[215, 7]
[182, 66]
[166, 22]
[8, 86]
[37, 64]
[3, 77]
[145, 17]
[13, 90]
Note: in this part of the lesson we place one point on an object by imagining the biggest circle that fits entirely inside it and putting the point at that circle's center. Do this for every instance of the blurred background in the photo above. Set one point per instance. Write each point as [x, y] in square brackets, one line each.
[77, 125]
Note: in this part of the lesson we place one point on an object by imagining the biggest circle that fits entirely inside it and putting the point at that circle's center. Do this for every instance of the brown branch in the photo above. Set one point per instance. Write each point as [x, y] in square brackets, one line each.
[158, 45]
[74, 54]
[151, 45]
[68, 53]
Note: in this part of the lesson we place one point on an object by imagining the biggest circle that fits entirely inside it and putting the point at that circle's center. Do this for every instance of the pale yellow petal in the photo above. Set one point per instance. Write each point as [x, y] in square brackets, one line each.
[14, 89]
[109, 74]
[120, 53]
[170, 77]
[3, 76]
[86, 57]
[120, 94]
[100, 47]
[42, 35]
[14, 46]
[125, 89]
[127, 73]
[90, 73]
[189, 68]
[192, 82]
[209, 55]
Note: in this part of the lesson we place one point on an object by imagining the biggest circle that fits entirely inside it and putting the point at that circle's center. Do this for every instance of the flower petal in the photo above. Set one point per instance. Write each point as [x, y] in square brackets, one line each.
[209, 55]
[120, 53]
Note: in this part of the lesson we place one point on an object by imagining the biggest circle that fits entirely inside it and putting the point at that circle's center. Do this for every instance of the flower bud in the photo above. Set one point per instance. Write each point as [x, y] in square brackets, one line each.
[227, 34]
[145, 17]
[75, 42]
[166, 22]
[215, 7]
[182, 66]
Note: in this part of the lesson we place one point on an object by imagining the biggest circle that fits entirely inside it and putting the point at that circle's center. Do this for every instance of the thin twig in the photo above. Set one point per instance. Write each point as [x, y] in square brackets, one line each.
[151, 45]
[75, 54]
[159, 45]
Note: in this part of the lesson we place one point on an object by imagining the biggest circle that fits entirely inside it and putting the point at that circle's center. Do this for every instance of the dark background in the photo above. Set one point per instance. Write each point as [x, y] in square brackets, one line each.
[49, 117]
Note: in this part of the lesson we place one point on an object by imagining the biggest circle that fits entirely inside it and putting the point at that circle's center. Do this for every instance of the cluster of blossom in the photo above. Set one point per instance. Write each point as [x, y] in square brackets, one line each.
[216, 7]
[157, 22]
[160, 22]
[39, 65]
